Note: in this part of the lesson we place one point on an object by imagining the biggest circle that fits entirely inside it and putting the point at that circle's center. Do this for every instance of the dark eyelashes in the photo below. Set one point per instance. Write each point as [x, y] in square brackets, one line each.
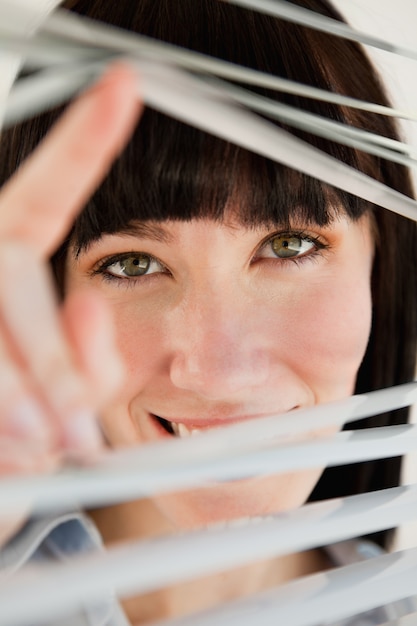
[317, 241]
[100, 269]
[105, 263]
[319, 246]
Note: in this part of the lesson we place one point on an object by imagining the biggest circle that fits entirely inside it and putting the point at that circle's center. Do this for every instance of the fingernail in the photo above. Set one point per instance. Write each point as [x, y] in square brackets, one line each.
[26, 419]
[81, 432]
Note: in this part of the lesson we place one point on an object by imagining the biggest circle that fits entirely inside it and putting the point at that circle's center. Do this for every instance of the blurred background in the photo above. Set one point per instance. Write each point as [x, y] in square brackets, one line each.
[395, 21]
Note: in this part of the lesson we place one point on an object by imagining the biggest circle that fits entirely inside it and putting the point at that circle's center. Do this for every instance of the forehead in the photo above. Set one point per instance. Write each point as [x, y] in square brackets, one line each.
[183, 235]
[232, 220]
[172, 172]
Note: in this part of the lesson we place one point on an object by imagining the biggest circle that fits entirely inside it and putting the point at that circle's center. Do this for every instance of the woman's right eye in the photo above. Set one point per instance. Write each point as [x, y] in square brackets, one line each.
[131, 265]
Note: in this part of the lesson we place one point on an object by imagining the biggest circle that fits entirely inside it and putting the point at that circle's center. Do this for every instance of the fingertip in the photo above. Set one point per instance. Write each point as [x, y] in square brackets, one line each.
[119, 75]
[116, 101]
[70, 162]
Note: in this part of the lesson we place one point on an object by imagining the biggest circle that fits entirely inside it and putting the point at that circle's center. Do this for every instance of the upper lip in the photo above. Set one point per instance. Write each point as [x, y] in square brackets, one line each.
[217, 421]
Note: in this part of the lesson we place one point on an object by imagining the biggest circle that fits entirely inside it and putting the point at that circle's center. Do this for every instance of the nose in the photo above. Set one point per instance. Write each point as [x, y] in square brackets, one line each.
[219, 352]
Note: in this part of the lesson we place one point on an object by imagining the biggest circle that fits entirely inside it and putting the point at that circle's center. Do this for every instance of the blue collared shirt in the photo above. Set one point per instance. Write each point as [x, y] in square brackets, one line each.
[60, 538]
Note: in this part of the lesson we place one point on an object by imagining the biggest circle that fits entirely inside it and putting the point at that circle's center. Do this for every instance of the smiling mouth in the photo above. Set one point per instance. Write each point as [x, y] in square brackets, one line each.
[166, 425]
[176, 429]
[183, 430]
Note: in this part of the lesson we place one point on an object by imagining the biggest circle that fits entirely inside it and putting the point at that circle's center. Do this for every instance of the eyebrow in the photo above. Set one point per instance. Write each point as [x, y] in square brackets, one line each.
[142, 230]
[146, 230]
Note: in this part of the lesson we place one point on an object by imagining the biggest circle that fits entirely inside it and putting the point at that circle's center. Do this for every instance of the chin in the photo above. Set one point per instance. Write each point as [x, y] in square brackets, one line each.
[220, 503]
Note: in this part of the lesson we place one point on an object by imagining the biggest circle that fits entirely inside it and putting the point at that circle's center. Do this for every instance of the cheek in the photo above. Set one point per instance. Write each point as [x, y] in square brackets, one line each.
[140, 339]
[141, 332]
[320, 328]
[330, 326]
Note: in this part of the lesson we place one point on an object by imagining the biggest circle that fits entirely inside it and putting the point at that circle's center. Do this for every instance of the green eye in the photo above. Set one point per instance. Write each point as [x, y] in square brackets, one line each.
[130, 265]
[136, 265]
[286, 246]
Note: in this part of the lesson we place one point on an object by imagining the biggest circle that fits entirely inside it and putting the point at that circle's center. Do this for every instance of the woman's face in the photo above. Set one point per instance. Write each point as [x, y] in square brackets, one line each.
[217, 323]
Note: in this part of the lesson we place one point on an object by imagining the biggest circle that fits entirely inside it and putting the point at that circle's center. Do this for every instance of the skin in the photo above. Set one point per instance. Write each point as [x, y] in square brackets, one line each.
[208, 340]
[42, 422]
[221, 329]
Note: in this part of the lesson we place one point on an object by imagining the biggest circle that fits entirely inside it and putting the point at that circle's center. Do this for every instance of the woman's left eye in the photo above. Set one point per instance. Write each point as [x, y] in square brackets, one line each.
[132, 265]
[289, 246]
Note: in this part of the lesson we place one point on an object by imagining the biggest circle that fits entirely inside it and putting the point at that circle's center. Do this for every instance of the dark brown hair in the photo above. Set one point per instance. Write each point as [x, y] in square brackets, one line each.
[170, 170]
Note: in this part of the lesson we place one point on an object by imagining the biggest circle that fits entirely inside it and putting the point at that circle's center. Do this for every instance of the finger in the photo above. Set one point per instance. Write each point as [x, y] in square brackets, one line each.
[23, 457]
[38, 339]
[38, 204]
[10, 523]
[26, 436]
[90, 328]
[21, 415]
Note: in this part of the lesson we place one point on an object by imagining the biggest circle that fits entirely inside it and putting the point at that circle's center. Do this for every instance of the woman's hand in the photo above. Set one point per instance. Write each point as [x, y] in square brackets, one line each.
[57, 365]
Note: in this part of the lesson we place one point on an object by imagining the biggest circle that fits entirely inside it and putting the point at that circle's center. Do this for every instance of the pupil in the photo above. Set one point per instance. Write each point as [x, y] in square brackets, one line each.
[287, 247]
[136, 266]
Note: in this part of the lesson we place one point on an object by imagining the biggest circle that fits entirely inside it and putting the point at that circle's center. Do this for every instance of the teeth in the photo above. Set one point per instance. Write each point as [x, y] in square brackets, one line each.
[181, 430]
[239, 522]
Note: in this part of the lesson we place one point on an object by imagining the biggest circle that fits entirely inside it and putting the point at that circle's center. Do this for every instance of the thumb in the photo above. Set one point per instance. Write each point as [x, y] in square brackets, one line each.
[90, 328]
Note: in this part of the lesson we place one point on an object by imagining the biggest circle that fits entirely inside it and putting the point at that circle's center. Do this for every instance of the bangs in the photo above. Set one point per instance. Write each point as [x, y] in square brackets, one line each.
[172, 171]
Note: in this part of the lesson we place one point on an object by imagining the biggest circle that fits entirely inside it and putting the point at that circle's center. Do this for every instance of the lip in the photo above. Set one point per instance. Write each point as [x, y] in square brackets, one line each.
[212, 422]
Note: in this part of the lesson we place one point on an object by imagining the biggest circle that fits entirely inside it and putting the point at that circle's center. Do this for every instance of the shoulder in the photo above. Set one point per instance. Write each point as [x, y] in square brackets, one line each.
[354, 551]
[56, 539]
[49, 538]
